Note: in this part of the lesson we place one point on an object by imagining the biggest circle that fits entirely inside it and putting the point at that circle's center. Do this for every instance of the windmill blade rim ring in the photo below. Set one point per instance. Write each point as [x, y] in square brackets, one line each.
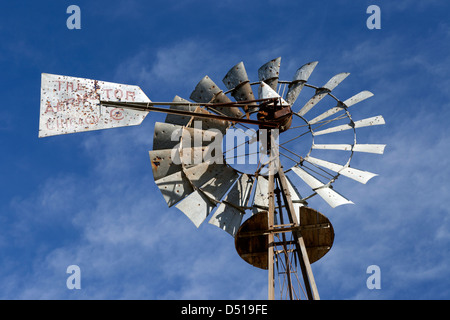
[306, 84]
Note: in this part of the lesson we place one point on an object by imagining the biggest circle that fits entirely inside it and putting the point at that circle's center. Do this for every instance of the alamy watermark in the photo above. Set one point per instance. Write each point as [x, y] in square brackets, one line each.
[74, 20]
[374, 280]
[74, 280]
[374, 20]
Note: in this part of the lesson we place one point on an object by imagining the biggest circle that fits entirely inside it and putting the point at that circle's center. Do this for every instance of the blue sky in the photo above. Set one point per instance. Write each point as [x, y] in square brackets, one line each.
[89, 199]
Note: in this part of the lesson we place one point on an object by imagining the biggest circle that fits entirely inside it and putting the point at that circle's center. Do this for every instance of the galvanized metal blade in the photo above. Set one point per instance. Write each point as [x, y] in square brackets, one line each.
[70, 105]
[230, 212]
[265, 92]
[343, 105]
[167, 136]
[363, 95]
[377, 120]
[269, 73]
[196, 207]
[212, 179]
[211, 182]
[322, 92]
[207, 91]
[162, 163]
[174, 187]
[330, 196]
[179, 119]
[370, 148]
[300, 78]
[352, 173]
[237, 80]
[335, 81]
[168, 161]
[261, 198]
[206, 123]
[295, 197]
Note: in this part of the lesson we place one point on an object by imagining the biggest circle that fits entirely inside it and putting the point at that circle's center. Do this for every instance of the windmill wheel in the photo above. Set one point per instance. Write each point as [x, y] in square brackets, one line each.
[223, 193]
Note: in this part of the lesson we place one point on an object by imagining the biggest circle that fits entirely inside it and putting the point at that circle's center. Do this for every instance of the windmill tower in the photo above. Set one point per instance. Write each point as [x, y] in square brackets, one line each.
[198, 171]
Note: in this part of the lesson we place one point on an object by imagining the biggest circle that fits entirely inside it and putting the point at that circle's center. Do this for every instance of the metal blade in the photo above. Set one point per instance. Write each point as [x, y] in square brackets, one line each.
[186, 120]
[230, 212]
[196, 207]
[179, 119]
[196, 155]
[237, 80]
[335, 81]
[301, 77]
[265, 92]
[207, 124]
[167, 136]
[212, 182]
[162, 164]
[363, 95]
[378, 120]
[355, 174]
[342, 105]
[168, 161]
[261, 198]
[322, 92]
[295, 197]
[207, 91]
[212, 179]
[70, 105]
[174, 187]
[370, 148]
[330, 196]
[326, 114]
[319, 95]
[270, 72]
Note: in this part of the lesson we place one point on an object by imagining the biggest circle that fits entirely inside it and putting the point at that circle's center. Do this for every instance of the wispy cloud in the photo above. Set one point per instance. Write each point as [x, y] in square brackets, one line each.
[159, 72]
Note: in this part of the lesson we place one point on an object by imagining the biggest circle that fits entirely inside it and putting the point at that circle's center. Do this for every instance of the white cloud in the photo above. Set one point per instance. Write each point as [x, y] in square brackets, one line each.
[175, 69]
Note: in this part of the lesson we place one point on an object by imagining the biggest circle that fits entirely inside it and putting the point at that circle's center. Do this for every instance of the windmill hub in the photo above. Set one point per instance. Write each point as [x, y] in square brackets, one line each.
[275, 111]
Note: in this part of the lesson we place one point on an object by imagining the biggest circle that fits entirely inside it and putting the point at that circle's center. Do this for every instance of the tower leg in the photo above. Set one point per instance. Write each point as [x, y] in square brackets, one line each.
[270, 253]
[308, 277]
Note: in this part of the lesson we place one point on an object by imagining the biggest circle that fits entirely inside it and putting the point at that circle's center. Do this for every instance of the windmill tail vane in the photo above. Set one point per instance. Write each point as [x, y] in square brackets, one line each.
[235, 160]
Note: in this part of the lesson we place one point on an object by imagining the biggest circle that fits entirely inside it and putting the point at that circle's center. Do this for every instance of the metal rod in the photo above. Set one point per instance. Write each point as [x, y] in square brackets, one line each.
[283, 230]
[295, 137]
[148, 107]
[283, 237]
[270, 223]
[270, 249]
[198, 104]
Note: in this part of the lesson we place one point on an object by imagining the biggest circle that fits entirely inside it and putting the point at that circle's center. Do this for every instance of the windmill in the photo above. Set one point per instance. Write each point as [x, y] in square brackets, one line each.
[197, 170]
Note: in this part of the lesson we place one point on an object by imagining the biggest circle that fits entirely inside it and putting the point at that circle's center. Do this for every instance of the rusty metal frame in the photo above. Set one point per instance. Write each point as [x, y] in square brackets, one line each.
[282, 191]
[305, 265]
[150, 106]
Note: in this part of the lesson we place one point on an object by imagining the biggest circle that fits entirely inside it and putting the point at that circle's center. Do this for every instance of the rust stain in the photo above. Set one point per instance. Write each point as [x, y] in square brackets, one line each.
[156, 162]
